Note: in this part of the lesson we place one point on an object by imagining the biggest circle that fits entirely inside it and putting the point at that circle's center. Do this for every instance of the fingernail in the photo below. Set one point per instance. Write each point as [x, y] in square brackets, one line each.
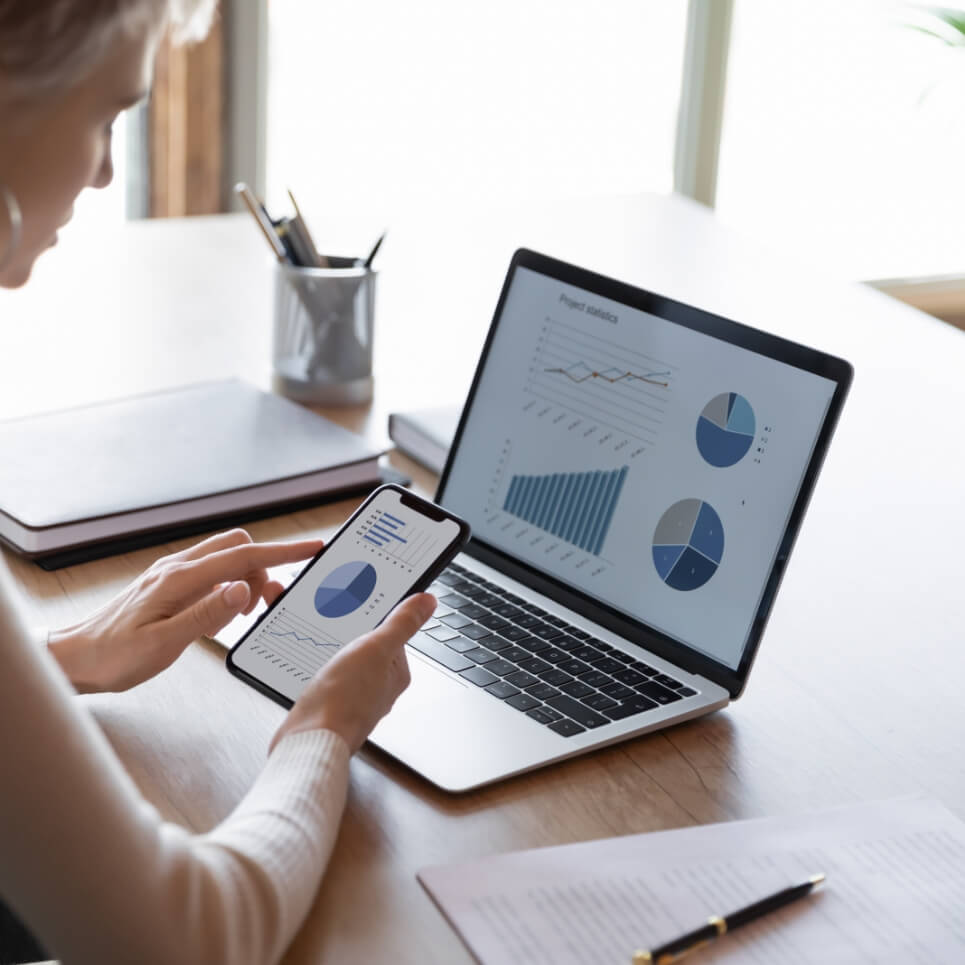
[236, 595]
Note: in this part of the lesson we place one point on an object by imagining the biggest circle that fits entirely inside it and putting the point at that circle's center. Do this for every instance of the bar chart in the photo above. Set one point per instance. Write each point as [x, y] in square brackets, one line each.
[577, 507]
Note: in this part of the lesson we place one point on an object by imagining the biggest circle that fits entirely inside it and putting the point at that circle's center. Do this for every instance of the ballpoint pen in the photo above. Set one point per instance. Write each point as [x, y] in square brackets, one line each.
[716, 926]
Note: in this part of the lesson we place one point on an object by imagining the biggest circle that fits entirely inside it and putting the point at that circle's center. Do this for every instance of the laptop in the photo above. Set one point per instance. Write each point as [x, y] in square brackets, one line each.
[635, 471]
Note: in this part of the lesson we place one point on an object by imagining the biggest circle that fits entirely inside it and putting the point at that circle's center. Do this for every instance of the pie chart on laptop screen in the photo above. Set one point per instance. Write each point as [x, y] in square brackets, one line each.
[688, 544]
[345, 589]
[725, 429]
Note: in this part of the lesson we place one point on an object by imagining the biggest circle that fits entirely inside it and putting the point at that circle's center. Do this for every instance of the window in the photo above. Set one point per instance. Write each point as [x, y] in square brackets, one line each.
[842, 139]
[384, 107]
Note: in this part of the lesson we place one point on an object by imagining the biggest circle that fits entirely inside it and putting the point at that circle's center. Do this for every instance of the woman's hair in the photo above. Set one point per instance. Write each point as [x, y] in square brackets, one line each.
[49, 44]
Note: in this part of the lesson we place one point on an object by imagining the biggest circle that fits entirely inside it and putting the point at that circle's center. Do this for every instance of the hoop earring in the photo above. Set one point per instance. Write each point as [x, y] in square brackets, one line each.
[16, 225]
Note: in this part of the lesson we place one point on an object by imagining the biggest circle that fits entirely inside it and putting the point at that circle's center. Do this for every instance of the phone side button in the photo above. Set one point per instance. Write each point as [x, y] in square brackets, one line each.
[440, 653]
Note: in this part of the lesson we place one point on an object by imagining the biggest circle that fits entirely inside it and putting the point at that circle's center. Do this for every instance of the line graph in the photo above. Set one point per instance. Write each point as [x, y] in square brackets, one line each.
[293, 645]
[581, 371]
[600, 380]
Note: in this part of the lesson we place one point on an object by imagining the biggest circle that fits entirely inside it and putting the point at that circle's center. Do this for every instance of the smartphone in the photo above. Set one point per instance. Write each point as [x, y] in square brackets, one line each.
[395, 544]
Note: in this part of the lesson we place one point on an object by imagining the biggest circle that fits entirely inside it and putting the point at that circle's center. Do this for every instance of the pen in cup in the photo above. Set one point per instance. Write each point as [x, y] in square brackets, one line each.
[716, 926]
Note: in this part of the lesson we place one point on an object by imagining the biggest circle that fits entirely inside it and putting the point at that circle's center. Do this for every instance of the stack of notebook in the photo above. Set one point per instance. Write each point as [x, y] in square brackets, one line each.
[100, 479]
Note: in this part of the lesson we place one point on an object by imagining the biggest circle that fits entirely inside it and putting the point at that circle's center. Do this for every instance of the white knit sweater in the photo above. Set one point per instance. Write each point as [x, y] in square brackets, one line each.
[95, 873]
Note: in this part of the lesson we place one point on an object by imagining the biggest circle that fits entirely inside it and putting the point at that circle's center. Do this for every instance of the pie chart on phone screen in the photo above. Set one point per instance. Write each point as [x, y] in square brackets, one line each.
[345, 589]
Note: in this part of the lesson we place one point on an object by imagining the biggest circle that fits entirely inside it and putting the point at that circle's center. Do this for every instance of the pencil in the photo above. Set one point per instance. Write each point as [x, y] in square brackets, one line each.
[262, 220]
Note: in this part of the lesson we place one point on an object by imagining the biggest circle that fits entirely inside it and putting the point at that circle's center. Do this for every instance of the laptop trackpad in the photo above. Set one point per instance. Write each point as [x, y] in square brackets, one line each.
[453, 737]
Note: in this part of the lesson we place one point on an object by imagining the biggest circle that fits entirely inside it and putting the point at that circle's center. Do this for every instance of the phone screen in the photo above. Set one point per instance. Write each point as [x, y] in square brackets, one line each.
[384, 552]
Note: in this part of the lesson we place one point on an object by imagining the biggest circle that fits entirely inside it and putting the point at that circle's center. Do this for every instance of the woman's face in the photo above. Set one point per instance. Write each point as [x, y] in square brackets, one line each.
[53, 145]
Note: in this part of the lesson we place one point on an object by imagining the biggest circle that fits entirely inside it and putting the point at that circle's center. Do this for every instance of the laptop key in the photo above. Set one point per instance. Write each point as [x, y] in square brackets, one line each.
[554, 677]
[567, 728]
[567, 643]
[662, 695]
[618, 691]
[599, 701]
[449, 578]
[642, 667]
[542, 715]
[533, 665]
[522, 679]
[473, 611]
[493, 622]
[579, 634]
[596, 679]
[573, 709]
[474, 631]
[574, 667]
[514, 633]
[442, 634]
[533, 644]
[629, 676]
[479, 676]
[687, 692]
[542, 691]
[552, 655]
[455, 620]
[502, 690]
[608, 665]
[494, 642]
[664, 680]
[556, 621]
[501, 667]
[480, 655]
[461, 644]
[527, 620]
[576, 688]
[440, 653]
[514, 653]
[546, 632]
[585, 652]
[523, 702]
[636, 705]
[454, 601]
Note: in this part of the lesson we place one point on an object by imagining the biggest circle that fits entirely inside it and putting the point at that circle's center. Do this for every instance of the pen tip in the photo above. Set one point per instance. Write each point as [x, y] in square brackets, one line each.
[817, 879]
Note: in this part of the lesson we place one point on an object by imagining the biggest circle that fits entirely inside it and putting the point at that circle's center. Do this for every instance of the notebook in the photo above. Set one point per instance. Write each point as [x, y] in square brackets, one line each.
[635, 471]
[425, 434]
[84, 482]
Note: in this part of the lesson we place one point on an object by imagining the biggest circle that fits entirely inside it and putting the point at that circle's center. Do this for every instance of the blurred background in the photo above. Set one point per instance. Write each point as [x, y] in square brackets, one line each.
[831, 129]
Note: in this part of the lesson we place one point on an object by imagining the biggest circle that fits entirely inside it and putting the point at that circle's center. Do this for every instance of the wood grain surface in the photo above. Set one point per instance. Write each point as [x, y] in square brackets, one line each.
[856, 694]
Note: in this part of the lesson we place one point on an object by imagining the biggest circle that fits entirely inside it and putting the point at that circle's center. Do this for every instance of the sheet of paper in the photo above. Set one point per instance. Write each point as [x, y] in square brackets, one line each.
[895, 891]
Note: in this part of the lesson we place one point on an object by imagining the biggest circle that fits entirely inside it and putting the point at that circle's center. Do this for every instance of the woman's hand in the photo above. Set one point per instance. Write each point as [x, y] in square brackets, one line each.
[359, 685]
[197, 591]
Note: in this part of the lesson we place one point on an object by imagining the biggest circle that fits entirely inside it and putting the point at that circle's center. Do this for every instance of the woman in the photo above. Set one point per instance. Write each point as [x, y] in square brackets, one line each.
[84, 862]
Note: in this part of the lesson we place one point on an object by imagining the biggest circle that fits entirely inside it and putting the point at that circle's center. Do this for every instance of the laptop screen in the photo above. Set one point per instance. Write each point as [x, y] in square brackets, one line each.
[635, 458]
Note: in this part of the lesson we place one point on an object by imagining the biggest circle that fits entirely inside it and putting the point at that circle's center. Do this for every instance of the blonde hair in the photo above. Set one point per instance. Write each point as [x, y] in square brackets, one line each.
[49, 44]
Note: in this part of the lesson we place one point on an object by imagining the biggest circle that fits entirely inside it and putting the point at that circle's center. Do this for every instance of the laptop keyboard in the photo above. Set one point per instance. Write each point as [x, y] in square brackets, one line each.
[554, 673]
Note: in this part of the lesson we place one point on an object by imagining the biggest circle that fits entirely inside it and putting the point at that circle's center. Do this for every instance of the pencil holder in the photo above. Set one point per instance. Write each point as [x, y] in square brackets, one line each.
[323, 325]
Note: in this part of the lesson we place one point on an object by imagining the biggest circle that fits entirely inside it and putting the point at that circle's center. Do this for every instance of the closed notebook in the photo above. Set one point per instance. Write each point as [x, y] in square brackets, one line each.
[166, 462]
[425, 434]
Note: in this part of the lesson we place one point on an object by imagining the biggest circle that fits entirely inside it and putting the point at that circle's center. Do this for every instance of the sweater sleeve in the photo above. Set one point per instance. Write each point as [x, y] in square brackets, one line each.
[92, 870]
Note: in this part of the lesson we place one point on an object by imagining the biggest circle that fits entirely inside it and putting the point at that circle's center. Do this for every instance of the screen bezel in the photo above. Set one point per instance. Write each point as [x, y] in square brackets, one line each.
[763, 343]
[408, 499]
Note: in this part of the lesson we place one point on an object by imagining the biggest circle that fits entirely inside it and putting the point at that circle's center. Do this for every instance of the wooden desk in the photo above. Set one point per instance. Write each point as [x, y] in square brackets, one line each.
[857, 691]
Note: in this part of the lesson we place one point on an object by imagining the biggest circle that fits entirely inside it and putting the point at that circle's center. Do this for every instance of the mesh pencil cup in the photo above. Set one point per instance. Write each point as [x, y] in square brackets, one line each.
[323, 325]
